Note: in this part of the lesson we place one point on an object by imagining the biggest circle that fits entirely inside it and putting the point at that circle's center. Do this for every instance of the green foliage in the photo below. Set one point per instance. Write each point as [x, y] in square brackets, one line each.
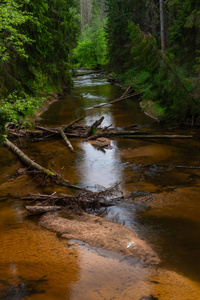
[184, 31]
[12, 39]
[159, 80]
[171, 79]
[91, 50]
[119, 14]
[36, 39]
[15, 109]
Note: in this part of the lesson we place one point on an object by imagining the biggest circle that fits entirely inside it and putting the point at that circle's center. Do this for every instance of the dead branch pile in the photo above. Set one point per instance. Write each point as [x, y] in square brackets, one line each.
[86, 132]
[85, 200]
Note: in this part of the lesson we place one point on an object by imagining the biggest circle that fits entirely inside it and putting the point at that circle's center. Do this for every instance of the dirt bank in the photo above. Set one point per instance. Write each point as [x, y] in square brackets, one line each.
[98, 232]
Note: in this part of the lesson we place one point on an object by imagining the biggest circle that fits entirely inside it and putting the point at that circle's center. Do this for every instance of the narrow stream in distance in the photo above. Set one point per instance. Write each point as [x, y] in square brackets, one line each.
[164, 211]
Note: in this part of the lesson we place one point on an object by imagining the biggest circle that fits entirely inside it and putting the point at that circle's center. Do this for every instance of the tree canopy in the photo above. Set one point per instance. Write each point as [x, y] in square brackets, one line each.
[36, 41]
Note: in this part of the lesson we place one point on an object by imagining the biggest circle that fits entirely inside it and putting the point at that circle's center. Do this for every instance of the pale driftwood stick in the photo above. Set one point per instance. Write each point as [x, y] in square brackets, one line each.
[41, 209]
[124, 132]
[29, 162]
[158, 136]
[117, 100]
[53, 130]
[42, 197]
[165, 166]
[67, 142]
[89, 200]
[126, 91]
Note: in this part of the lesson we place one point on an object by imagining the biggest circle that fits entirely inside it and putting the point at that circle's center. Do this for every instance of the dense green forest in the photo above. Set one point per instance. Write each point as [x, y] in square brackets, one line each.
[153, 45]
[36, 40]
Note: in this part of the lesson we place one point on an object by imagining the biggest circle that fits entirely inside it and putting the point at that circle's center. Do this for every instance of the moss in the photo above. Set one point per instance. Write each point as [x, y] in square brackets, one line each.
[66, 215]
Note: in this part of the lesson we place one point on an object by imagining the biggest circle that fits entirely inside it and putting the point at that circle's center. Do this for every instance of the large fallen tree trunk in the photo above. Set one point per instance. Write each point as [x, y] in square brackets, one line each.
[24, 158]
[31, 164]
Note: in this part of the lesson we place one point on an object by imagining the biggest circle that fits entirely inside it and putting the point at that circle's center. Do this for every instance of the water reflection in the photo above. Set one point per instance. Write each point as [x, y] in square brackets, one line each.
[99, 167]
[164, 209]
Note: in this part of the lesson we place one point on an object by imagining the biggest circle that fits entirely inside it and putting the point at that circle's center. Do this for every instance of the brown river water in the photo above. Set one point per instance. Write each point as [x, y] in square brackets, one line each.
[164, 210]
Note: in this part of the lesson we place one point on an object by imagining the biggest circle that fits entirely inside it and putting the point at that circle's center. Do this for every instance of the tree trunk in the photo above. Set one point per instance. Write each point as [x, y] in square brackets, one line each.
[162, 28]
[93, 127]
[67, 142]
[29, 162]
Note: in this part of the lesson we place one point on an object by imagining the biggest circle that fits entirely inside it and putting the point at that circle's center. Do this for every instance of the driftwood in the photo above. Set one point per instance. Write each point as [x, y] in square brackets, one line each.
[88, 132]
[94, 127]
[117, 100]
[73, 122]
[37, 209]
[29, 162]
[166, 166]
[56, 178]
[67, 142]
[84, 200]
[169, 136]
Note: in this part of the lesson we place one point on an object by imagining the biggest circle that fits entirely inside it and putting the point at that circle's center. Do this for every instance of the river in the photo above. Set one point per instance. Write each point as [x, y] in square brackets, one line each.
[164, 211]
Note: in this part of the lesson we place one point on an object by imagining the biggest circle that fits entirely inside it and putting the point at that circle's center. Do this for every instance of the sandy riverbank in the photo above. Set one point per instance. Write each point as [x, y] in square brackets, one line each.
[101, 233]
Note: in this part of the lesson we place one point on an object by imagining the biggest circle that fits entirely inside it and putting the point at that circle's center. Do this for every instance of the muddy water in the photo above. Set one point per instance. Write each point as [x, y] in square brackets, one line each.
[164, 209]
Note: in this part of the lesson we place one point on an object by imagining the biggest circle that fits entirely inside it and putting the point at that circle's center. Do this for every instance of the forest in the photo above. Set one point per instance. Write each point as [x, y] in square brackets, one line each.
[151, 45]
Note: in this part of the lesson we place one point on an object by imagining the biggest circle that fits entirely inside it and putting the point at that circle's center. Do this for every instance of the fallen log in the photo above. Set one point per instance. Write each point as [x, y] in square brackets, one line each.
[72, 123]
[37, 209]
[124, 132]
[67, 142]
[101, 133]
[94, 127]
[169, 136]
[53, 130]
[29, 162]
[166, 166]
[117, 100]
[84, 200]
[126, 91]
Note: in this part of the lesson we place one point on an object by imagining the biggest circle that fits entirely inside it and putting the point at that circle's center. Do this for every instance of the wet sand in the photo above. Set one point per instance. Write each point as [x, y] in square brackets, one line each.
[98, 232]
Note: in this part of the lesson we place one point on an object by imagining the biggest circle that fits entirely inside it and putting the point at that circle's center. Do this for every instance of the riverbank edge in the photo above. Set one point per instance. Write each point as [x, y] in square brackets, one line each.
[148, 107]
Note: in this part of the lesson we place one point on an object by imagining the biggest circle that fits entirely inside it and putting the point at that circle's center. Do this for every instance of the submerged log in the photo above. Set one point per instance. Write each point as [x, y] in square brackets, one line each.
[67, 142]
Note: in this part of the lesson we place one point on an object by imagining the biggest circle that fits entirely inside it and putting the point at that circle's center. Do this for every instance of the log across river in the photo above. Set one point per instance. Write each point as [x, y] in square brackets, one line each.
[160, 181]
